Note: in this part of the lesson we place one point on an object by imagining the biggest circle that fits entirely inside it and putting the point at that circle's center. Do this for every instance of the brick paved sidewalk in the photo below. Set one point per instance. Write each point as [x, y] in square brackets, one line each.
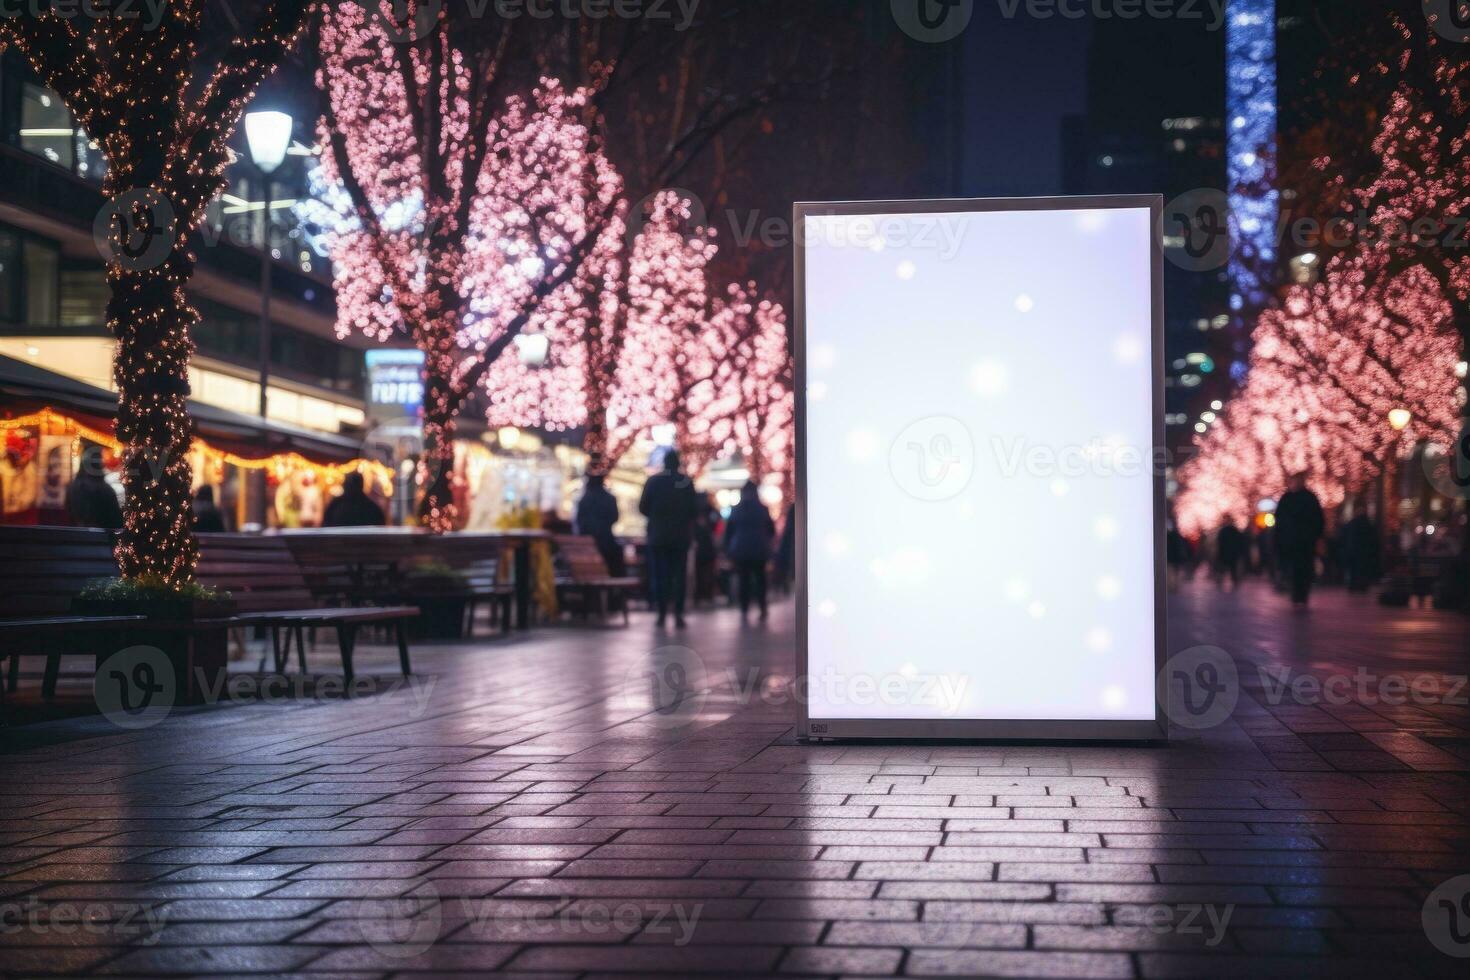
[520, 808]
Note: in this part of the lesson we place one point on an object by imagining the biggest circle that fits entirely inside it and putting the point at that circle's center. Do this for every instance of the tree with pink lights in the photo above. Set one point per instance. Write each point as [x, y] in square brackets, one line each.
[464, 213]
[1329, 368]
[1360, 367]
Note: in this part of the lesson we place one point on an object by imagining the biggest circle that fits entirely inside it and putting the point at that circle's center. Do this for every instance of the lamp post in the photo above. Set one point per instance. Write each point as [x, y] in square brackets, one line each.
[268, 135]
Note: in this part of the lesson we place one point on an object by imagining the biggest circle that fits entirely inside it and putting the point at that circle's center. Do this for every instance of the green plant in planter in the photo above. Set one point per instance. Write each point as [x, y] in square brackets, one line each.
[148, 588]
[152, 596]
[435, 576]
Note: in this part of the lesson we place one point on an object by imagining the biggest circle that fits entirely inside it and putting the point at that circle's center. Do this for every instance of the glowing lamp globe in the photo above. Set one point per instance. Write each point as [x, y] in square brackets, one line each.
[268, 134]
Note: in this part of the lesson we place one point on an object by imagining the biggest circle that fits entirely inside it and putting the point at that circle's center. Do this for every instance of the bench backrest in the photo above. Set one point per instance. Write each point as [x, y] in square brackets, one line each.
[43, 568]
[579, 558]
[347, 567]
[476, 557]
[258, 572]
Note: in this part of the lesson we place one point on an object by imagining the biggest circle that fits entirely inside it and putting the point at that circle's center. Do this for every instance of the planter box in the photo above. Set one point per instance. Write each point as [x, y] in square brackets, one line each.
[198, 657]
[441, 617]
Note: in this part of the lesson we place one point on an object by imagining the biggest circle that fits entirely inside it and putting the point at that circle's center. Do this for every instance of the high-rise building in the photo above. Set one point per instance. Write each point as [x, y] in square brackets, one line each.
[1155, 124]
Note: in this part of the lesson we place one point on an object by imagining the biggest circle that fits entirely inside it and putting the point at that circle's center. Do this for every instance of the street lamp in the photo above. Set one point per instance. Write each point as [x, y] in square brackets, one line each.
[268, 135]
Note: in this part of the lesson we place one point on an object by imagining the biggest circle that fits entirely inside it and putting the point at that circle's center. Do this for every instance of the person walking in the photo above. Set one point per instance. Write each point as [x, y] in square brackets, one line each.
[1299, 524]
[748, 536]
[354, 508]
[207, 517]
[90, 499]
[1360, 552]
[669, 503]
[1230, 545]
[597, 513]
[706, 551]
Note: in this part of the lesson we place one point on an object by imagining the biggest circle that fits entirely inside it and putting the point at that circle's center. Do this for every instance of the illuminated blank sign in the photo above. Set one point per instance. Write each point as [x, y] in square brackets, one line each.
[981, 511]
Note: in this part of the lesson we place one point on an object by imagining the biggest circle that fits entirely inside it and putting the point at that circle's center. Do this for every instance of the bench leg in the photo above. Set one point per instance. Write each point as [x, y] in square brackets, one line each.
[402, 648]
[48, 680]
[300, 647]
[277, 658]
[346, 639]
[12, 679]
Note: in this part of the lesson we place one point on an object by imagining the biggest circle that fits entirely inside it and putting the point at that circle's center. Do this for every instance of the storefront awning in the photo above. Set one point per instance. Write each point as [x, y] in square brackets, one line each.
[28, 388]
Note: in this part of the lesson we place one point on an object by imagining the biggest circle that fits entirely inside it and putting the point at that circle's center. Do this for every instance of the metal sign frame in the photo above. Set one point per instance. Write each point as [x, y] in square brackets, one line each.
[968, 728]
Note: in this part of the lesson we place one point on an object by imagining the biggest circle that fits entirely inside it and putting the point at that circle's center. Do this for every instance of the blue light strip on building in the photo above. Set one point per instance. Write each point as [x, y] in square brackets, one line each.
[1250, 126]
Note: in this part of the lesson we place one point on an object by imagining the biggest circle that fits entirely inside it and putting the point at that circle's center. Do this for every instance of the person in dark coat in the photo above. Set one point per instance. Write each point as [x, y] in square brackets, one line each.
[748, 536]
[1360, 551]
[353, 508]
[1299, 524]
[706, 552]
[207, 517]
[1230, 546]
[597, 512]
[90, 499]
[669, 503]
[786, 550]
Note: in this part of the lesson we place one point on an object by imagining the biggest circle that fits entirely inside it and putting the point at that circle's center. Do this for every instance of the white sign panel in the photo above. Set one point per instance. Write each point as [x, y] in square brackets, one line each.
[980, 505]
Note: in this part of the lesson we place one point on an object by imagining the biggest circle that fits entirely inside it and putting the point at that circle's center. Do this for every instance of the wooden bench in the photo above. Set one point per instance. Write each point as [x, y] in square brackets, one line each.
[583, 579]
[42, 571]
[270, 591]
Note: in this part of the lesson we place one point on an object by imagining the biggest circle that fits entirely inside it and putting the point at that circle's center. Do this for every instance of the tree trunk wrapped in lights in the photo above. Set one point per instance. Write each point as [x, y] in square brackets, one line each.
[135, 89]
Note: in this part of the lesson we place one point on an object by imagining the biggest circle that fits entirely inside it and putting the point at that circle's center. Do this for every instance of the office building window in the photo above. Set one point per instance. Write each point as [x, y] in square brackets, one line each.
[42, 272]
[11, 281]
[46, 127]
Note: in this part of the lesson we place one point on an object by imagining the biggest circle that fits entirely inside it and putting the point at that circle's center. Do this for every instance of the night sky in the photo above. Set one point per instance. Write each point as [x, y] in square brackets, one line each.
[1021, 76]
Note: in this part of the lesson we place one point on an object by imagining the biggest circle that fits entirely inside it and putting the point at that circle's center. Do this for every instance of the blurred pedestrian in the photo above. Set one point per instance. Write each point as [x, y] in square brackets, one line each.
[90, 499]
[785, 563]
[207, 517]
[1360, 552]
[1177, 554]
[597, 513]
[748, 536]
[353, 507]
[1230, 546]
[706, 553]
[1299, 525]
[669, 503]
